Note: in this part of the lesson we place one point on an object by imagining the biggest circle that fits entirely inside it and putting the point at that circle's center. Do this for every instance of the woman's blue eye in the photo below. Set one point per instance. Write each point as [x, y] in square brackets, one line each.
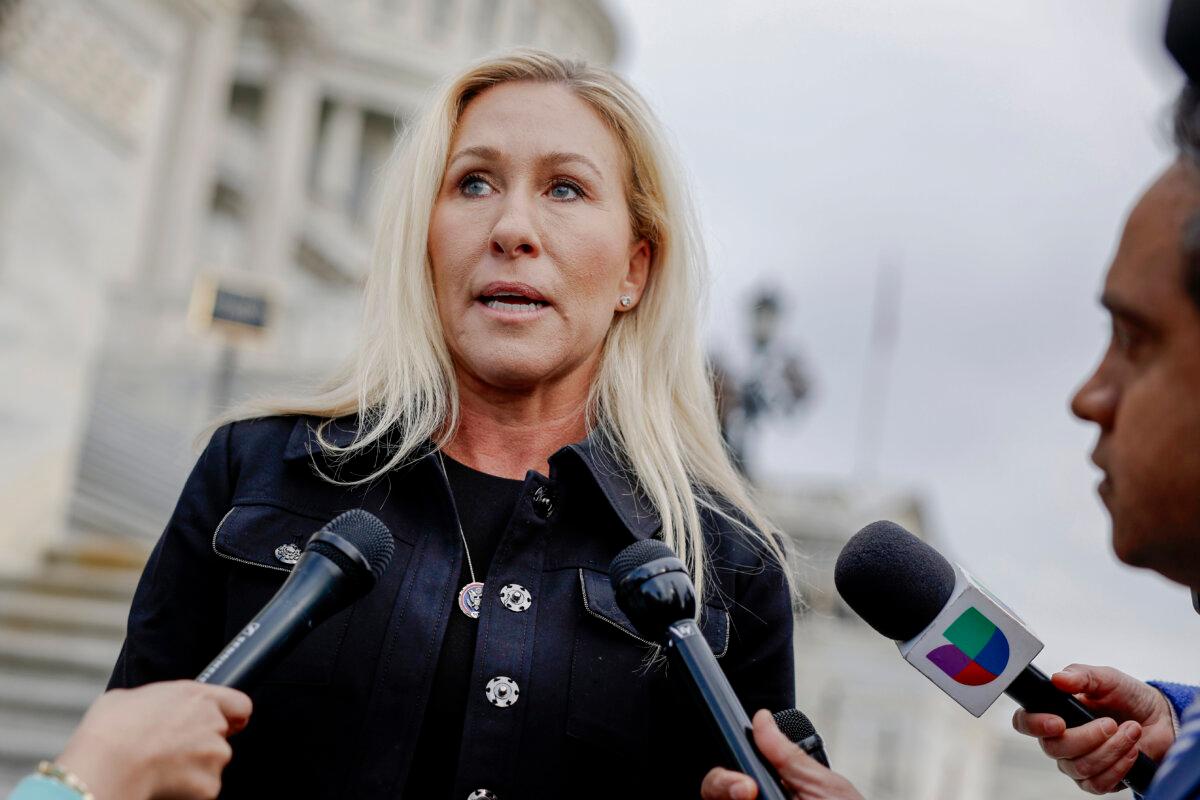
[475, 186]
[565, 191]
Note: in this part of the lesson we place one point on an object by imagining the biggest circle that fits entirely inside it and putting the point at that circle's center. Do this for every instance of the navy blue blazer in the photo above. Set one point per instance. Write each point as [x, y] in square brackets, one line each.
[595, 717]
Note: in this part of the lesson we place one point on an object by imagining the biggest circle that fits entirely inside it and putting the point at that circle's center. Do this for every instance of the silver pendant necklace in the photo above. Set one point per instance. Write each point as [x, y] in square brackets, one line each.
[470, 597]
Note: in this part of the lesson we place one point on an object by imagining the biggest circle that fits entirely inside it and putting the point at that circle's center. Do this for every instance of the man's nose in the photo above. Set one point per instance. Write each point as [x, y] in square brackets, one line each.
[1096, 400]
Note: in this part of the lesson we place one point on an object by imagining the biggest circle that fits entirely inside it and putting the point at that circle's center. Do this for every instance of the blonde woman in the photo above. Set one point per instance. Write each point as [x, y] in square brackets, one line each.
[529, 397]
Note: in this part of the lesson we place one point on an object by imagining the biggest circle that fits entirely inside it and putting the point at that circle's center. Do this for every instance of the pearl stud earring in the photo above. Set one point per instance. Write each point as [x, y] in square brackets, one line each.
[626, 301]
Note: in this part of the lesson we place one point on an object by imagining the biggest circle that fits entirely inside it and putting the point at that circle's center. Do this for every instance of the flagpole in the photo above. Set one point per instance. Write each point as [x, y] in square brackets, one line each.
[877, 368]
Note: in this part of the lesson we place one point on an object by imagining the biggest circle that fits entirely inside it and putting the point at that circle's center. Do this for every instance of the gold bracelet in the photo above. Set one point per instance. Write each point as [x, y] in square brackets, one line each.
[66, 778]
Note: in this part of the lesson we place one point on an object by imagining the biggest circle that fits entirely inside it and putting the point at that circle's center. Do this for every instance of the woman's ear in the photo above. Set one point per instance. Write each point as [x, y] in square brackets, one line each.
[638, 272]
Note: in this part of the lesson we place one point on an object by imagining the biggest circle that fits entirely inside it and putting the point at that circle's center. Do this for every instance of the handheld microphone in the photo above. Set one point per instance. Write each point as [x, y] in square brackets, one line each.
[654, 590]
[953, 630]
[340, 564]
[795, 725]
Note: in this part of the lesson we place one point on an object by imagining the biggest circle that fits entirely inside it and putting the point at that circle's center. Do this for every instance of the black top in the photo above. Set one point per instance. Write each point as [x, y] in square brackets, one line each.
[341, 715]
[485, 505]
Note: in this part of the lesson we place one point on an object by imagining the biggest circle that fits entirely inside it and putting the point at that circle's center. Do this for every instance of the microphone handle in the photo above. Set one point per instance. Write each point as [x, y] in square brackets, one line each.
[1033, 691]
[686, 645]
[306, 598]
[815, 747]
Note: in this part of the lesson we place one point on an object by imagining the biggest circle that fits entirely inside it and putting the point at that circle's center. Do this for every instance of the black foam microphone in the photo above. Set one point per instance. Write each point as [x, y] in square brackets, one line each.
[340, 564]
[796, 726]
[654, 590]
[956, 633]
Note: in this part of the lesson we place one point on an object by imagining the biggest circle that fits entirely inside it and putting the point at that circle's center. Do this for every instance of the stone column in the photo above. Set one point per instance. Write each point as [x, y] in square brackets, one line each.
[185, 181]
[279, 197]
[337, 162]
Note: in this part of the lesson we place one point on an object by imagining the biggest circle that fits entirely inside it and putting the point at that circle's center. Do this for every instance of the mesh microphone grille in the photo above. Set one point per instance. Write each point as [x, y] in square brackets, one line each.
[635, 555]
[344, 562]
[367, 533]
[893, 580]
[794, 724]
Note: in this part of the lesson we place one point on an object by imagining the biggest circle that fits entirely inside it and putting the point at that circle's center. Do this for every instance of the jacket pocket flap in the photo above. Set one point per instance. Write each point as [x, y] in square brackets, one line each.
[263, 536]
[600, 601]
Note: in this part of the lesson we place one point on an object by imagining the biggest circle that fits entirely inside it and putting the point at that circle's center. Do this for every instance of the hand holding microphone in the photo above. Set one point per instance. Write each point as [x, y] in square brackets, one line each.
[654, 590]
[168, 739]
[1097, 755]
[955, 632]
[159, 740]
[787, 744]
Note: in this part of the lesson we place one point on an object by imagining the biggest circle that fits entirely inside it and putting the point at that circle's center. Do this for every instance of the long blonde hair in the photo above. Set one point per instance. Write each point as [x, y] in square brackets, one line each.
[652, 404]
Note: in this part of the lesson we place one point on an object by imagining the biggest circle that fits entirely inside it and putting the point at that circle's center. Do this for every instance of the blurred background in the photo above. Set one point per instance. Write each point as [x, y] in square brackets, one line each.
[909, 209]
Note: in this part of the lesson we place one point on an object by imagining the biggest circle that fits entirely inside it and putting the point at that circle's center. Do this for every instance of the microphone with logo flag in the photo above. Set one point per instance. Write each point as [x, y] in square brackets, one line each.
[952, 629]
[654, 590]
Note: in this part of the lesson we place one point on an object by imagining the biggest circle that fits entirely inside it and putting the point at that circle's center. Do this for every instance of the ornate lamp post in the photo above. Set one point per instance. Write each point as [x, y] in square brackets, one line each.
[772, 382]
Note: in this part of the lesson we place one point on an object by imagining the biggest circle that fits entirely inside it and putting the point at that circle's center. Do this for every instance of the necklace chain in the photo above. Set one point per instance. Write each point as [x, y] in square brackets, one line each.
[457, 518]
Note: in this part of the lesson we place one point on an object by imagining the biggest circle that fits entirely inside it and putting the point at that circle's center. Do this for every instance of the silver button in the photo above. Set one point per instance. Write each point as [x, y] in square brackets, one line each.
[502, 691]
[543, 504]
[516, 597]
[288, 553]
[483, 794]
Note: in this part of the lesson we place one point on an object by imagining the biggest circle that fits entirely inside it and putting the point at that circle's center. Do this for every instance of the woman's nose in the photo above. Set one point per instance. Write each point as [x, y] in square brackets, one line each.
[514, 234]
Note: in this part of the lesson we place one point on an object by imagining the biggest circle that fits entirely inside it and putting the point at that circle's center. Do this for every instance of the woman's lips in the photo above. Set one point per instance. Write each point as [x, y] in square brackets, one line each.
[510, 299]
[512, 289]
[511, 309]
[511, 306]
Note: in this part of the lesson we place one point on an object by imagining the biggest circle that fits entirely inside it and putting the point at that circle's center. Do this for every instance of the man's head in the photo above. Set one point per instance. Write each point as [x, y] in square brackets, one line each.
[1145, 393]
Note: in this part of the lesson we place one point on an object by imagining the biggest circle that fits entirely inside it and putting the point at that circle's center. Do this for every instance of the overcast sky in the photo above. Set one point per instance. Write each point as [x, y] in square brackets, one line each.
[991, 151]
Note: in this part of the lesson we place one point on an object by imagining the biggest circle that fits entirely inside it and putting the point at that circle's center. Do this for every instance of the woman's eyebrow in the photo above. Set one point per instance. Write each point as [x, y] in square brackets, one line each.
[555, 158]
[560, 157]
[480, 151]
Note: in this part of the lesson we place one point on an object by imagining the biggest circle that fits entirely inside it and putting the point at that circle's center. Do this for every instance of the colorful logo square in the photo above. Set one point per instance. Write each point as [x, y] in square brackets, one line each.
[978, 650]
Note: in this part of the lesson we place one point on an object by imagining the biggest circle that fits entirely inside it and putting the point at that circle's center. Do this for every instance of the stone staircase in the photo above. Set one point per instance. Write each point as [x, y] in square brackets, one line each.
[60, 630]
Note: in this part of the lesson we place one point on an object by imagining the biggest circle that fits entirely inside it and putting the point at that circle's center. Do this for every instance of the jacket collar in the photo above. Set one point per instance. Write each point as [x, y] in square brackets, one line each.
[303, 444]
[614, 480]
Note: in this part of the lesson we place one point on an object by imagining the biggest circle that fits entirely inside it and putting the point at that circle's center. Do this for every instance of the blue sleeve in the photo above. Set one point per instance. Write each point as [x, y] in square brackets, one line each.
[39, 787]
[1179, 695]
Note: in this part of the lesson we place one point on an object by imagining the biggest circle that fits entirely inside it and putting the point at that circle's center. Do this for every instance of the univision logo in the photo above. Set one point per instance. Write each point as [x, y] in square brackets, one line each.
[978, 650]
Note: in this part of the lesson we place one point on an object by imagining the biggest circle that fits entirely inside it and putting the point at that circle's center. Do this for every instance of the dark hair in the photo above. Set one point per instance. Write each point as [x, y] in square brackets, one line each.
[1187, 139]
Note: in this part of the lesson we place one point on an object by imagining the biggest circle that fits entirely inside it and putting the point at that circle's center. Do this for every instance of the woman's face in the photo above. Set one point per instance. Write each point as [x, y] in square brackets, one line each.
[530, 238]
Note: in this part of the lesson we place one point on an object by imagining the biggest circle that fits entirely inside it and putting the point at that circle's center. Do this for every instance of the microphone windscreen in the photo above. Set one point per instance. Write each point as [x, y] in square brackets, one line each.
[634, 556]
[794, 724]
[893, 580]
[1183, 36]
[367, 534]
